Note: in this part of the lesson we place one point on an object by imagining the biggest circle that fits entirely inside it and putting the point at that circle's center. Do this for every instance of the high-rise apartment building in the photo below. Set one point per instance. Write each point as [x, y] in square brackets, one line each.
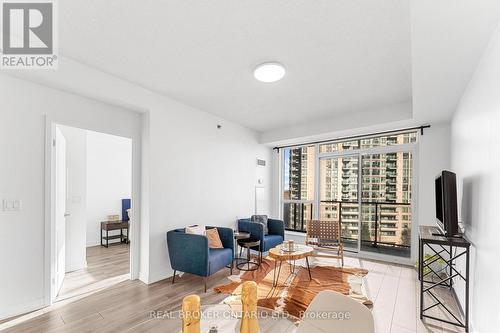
[299, 186]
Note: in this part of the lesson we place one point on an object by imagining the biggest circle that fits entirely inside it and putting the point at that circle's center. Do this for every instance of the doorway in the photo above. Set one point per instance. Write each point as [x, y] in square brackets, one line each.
[92, 191]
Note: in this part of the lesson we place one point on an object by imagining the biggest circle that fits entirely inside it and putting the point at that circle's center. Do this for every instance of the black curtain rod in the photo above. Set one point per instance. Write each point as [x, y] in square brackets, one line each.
[421, 128]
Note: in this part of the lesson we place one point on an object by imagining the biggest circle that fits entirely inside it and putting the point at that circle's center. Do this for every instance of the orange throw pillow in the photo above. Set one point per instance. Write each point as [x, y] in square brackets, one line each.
[214, 239]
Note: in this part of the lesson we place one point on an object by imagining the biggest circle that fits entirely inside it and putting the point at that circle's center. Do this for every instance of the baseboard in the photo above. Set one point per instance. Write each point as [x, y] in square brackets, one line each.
[160, 278]
[22, 309]
[144, 277]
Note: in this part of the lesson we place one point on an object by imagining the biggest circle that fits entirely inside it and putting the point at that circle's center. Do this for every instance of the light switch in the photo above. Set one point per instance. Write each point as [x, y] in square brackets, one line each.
[16, 205]
[11, 205]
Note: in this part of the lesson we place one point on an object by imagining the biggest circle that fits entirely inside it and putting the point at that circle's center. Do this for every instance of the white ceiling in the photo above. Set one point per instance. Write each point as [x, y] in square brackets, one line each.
[448, 38]
[350, 65]
[342, 56]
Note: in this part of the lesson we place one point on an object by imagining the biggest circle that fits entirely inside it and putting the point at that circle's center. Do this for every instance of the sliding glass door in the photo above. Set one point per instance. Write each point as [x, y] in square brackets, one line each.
[365, 184]
[371, 200]
[386, 196]
[339, 196]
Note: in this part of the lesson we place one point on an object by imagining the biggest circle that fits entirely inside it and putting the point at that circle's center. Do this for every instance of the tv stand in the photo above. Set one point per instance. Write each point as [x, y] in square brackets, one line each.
[442, 250]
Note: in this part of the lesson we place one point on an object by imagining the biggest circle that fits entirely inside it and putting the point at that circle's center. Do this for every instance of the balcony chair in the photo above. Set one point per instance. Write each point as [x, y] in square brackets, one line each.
[325, 238]
[190, 253]
[274, 237]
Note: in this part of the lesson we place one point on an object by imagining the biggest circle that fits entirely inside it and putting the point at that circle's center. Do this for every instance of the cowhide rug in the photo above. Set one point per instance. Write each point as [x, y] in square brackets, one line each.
[295, 291]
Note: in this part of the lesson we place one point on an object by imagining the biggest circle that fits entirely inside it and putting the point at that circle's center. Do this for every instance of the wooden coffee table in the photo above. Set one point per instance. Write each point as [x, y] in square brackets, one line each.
[280, 255]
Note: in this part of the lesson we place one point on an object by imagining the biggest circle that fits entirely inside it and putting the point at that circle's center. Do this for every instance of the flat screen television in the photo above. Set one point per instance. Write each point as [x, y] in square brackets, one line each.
[446, 203]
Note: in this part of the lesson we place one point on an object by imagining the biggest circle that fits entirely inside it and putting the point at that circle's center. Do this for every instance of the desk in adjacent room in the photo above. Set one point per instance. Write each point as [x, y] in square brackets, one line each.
[114, 225]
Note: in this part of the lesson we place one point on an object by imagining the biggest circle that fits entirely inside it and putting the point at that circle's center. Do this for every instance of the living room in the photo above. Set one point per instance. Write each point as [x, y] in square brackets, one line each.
[287, 126]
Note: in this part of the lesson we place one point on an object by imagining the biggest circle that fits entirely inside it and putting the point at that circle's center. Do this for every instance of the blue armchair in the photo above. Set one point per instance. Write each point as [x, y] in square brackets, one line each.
[190, 253]
[275, 236]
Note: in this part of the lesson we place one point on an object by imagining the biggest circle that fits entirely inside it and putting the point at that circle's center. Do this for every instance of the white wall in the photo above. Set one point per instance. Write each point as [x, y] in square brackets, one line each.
[22, 143]
[191, 172]
[76, 164]
[475, 159]
[199, 174]
[434, 157]
[109, 179]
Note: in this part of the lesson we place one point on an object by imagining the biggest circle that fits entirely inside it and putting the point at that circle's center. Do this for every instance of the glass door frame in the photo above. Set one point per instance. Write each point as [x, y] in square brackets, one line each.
[317, 204]
[411, 148]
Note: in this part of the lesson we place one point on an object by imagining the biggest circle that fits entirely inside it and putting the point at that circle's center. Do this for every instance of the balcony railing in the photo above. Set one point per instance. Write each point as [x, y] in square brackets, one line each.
[377, 238]
[381, 230]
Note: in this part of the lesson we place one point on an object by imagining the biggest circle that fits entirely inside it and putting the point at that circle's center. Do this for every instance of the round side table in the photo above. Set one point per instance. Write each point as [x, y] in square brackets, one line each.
[239, 235]
[248, 243]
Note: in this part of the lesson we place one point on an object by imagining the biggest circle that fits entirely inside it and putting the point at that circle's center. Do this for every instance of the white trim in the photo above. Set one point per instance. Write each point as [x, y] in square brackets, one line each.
[144, 277]
[317, 179]
[135, 219]
[49, 210]
[415, 222]
[360, 202]
[281, 163]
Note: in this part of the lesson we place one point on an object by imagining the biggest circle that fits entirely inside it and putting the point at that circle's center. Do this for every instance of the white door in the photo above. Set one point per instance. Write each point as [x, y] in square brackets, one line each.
[60, 222]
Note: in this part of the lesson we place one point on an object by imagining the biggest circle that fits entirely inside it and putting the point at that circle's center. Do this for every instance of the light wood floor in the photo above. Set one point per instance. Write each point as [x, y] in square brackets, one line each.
[104, 266]
[125, 307]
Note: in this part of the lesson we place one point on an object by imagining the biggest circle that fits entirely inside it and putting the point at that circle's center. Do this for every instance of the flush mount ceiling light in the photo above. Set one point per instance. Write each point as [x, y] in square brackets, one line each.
[269, 72]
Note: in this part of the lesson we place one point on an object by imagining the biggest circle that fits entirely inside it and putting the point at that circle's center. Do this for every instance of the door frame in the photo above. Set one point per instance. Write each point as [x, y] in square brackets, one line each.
[57, 177]
[49, 194]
